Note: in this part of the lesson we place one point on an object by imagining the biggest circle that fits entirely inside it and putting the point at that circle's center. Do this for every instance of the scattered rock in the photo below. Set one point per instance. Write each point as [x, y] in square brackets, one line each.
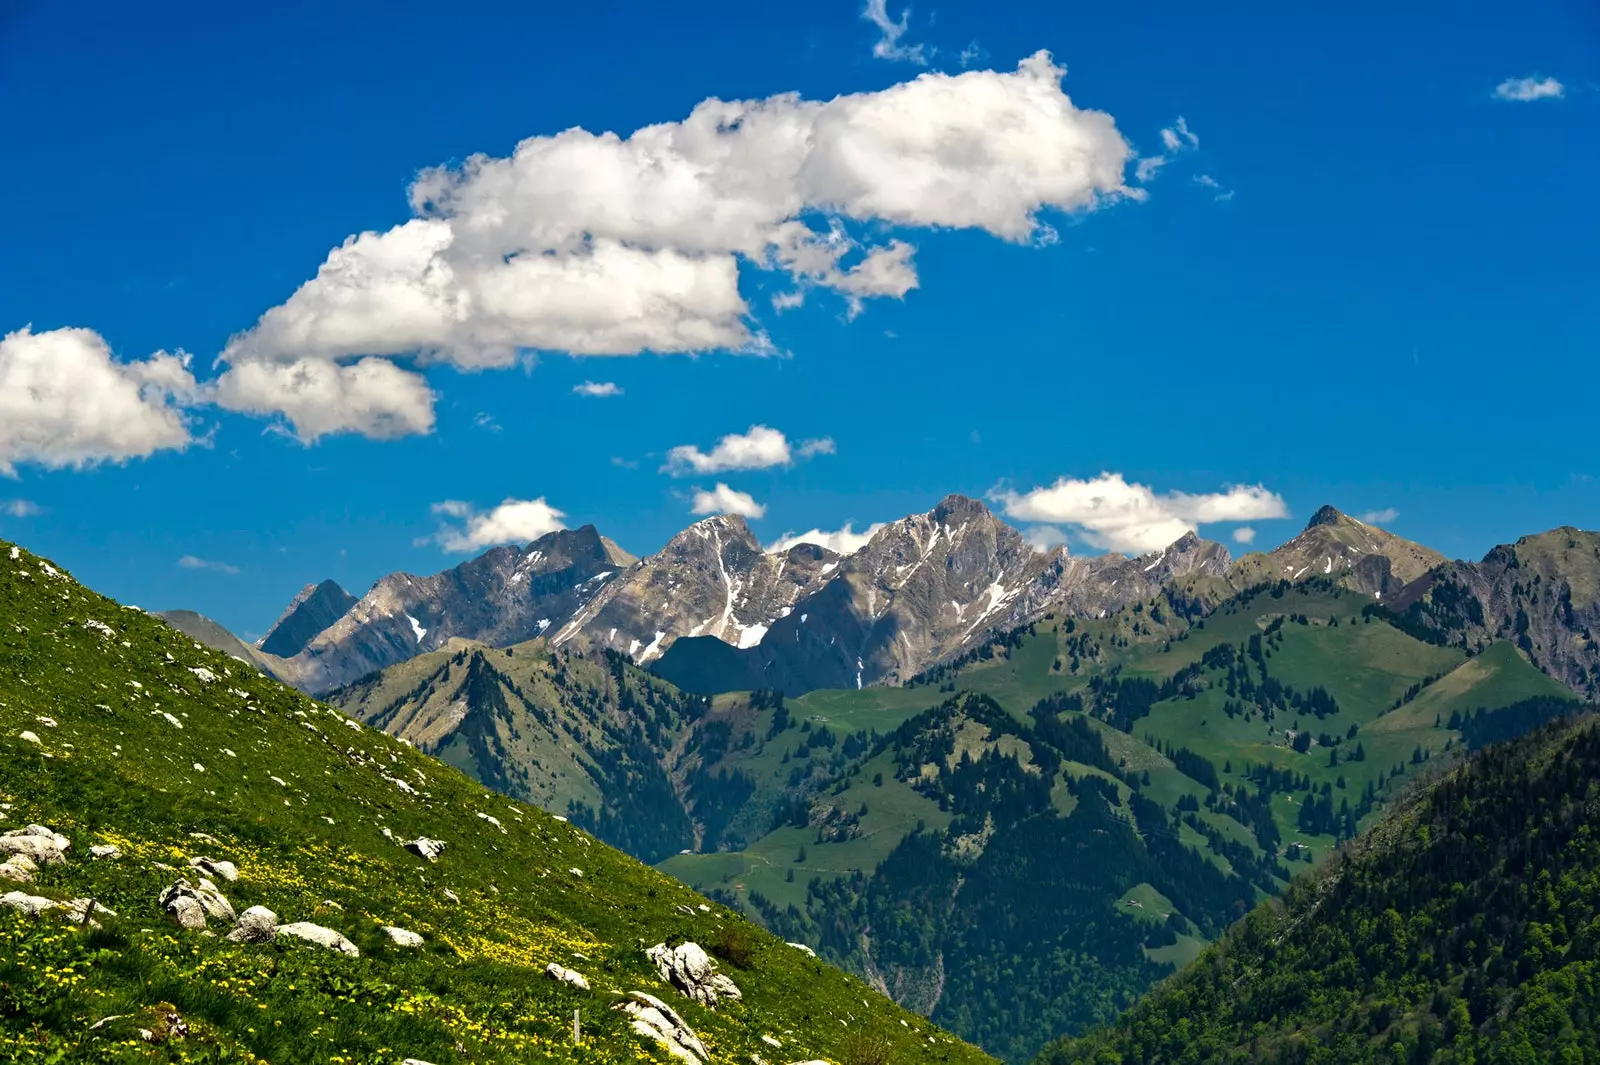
[403, 937]
[451, 896]
[19, 868]
[204, 895]
[688, 968]
[30, 737]
[211, 867]
[658, 1021]
[256, 925]
[803, 949]
[771, 1042]
[44, 845]
[32, 905]
[106, 852]
[566, 976]
[322, 937]
[423, 847]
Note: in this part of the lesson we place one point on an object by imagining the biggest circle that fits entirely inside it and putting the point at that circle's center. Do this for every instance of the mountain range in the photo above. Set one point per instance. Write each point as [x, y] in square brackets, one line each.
[713, 611]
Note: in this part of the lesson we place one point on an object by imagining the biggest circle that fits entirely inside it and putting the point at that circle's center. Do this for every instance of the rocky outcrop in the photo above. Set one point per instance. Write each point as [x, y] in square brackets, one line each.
[193, 904]
[423, 847]
[319, 936]
[222, 870]
[256, 925]
[18, 868]
[42, 844]
[688, 968]
[660, 1023]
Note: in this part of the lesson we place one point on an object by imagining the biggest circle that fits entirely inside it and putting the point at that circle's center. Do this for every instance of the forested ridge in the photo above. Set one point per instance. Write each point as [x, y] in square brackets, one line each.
[1465, 929]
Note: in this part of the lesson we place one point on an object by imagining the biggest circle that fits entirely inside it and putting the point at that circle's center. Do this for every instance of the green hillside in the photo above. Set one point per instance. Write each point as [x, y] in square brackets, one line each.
[1464, 929]
[1199, 762]
[118, 731]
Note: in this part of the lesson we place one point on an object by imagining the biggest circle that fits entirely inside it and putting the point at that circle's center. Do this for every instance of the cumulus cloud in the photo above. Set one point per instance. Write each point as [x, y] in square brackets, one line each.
[888, 45]
[597, 389]
[20, 508]
[843, 541]
[194, 562]
[463, 527]
[1044, 537]
[373, 397]
[725, 500]
[1117, 515]
[758, 449]
[1244, 534]
[1380, 517]
[602, 244]
[66, 401]
[1526, 90]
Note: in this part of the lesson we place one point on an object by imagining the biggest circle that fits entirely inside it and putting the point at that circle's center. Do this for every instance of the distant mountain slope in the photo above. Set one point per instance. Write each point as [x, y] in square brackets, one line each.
[311, 612]
[204, 630]
[1543, 593]
[1462, 930]
[590, 737]
[135, 768]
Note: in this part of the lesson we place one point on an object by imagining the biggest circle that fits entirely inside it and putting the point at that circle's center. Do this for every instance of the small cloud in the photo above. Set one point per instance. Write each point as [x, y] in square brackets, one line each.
[725, 500]
[1178, 137]
[1044, 537]
[1243, 534]
[1175, 139]
[758, 448]
[888, 46]
[597, 389]
[1526, 90]
[845, 541]
[1380, 517]
[463, 527]
[193, 562]
[484, 420]
[972, 55]
[622, 463]
[1222, 195]
[20, 508]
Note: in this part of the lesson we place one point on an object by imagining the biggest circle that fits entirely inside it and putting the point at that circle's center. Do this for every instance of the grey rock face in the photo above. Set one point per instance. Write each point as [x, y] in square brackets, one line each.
[310, 613]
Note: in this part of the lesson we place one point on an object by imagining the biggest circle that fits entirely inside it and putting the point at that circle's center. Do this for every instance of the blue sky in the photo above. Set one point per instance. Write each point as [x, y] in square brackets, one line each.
[1367, 278]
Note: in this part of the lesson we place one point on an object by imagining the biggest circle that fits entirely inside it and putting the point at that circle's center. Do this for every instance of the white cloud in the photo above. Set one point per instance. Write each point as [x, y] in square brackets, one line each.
[1244, 535]
[1117, 515]
[1220, 194]
[515, 521]
[725, 500]
[65, 401]
[972, 55]
[888, 46]
[192, 562]
[844, 541]
[1380, 517]
[599, 244]
[1044, 537]
[20, 508]
[1526, 90]
[759, 448]
[1175, 139]
[373, 397]
[598, 389]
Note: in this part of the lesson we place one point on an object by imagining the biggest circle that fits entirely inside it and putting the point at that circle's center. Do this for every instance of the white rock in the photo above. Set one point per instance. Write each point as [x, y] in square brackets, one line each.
[211, 867]
[204, 895]
[322, 937]
[566, 976]
[803, 949]
[403, 937]
[659, 1022]
[30, 737]
[688, 968]
[423, 847]
[32, 905]
[44, 845]
[19, 868]
[106, 852]
[256, 925]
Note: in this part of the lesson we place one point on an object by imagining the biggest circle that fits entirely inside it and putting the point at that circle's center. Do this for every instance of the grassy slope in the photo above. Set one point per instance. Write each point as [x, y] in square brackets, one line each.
[140, 750]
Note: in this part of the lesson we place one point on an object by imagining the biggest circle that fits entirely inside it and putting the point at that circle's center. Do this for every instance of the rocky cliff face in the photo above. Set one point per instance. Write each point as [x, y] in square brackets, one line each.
[713, 579]
[1543, 593]
[507, 595]
[1362, 557]
[316, 608]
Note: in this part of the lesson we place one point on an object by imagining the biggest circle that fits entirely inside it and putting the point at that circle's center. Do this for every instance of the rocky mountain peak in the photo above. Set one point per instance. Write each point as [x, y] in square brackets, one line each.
[958, 508]
[1327, 515]
[309, 613]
